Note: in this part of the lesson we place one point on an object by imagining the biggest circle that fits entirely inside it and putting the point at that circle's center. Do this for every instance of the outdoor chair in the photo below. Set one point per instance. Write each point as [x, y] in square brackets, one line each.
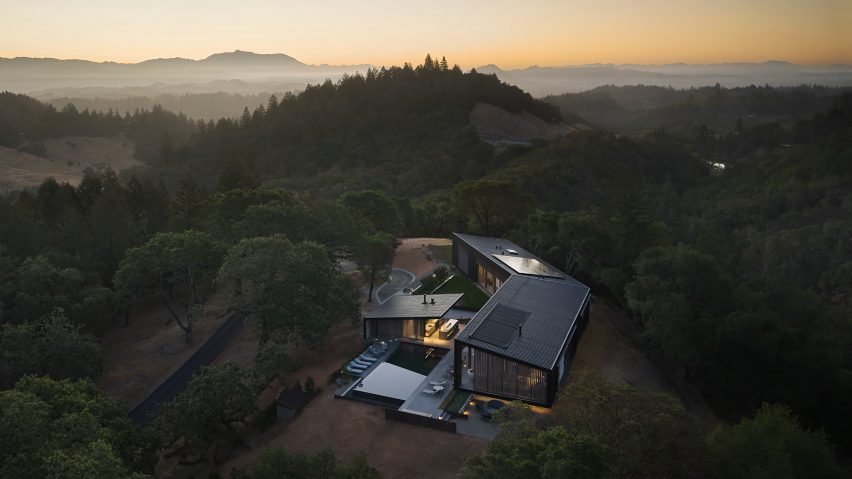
[430, 392]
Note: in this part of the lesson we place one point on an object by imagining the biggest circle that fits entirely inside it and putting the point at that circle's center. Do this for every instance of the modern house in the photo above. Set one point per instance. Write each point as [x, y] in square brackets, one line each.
[406, 316]
[518, 346]
[521, 343]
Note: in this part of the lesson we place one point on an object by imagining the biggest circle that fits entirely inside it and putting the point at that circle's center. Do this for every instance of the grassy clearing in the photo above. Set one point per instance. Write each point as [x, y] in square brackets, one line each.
[473, 299]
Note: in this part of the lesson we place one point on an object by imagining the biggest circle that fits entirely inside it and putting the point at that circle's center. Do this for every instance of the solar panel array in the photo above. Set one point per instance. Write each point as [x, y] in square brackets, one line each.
[529, 266]
[500, 326]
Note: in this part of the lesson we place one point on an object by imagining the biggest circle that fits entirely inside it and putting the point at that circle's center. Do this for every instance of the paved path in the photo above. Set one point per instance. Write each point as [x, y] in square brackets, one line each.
[399, 280]
[176, 383]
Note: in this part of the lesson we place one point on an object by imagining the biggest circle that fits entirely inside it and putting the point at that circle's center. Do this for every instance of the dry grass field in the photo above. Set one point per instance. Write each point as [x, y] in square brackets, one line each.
[66, 160]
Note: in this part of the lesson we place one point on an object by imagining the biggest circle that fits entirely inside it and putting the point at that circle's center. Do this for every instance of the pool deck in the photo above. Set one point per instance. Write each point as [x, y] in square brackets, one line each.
[423, 404]
[427, 404]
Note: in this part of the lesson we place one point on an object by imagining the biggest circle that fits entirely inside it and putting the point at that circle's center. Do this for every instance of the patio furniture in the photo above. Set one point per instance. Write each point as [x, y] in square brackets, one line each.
[360, 364]
[490, 408]
[366, 359]
[438, 383]
[448, 329]
[354, 371]
[431, 326]
[438, 389]
[430, 392]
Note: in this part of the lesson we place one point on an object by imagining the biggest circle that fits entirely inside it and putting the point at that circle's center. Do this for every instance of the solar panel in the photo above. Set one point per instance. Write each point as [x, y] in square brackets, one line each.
[529, 266]
[500, 326]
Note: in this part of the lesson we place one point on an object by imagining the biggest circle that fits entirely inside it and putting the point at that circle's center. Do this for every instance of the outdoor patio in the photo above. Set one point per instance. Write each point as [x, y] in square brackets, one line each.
[427, 404]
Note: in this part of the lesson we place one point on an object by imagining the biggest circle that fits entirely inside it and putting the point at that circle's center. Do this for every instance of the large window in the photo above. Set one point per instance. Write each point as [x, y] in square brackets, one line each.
[497, 375]
[486, 278]
[398, 328]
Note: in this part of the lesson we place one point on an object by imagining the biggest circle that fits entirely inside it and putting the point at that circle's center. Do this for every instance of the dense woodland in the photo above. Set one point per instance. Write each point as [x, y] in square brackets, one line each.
[739, 278]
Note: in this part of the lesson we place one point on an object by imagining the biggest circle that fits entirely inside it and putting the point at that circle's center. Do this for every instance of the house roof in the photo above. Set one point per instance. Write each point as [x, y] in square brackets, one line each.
[411, 306]
[551, 307]
[513, 259]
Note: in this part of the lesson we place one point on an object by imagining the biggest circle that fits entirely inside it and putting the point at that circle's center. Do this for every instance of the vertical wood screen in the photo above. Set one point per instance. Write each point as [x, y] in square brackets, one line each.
[497, 375]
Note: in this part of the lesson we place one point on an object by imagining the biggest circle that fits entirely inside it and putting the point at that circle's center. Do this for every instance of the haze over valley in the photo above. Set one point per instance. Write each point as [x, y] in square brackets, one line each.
[428, 240]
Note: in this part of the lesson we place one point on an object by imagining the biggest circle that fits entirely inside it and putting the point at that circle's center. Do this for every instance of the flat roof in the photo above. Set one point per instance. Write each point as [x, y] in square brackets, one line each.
[495, 249]
[409, 306]
[500, 326]
[552, 307]
[392, 381]
[529, 266]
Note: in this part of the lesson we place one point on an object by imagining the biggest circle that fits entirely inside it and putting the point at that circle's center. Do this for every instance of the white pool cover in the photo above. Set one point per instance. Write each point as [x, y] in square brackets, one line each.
[391, 381]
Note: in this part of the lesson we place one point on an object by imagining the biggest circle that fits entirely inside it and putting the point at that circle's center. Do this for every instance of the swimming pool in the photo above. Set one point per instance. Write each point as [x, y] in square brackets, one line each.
[415, 357]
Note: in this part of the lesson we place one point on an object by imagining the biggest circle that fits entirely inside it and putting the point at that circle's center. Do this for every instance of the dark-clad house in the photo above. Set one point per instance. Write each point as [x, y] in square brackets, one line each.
[489, 262]
[521, 343]
[405, 316]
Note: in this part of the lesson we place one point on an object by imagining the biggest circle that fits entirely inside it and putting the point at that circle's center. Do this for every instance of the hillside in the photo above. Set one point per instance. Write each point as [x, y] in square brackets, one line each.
[64, 159]
[392, 128]
[643, 108]
[497, 126]
[541, 81]
[25, 75]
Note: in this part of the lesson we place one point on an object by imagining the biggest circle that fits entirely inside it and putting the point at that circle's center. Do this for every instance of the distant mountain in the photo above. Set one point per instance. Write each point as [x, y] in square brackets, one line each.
[239, 57]
[27, 75]
[541, 81]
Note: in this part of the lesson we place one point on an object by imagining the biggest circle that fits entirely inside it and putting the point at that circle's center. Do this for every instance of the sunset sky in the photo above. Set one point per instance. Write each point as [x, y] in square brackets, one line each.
[508, 33]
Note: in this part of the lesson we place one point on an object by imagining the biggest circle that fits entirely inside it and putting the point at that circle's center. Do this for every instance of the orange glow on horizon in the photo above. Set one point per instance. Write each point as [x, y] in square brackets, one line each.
[470, 33]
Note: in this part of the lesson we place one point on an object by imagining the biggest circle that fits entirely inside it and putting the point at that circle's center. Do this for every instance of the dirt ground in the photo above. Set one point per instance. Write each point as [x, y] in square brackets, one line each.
[606, 347]
[65, 161]
[140, 355]
[350, 428]
[411, 254]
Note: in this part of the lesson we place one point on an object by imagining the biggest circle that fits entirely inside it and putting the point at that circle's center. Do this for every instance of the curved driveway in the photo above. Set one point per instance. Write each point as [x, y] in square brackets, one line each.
[399, 280]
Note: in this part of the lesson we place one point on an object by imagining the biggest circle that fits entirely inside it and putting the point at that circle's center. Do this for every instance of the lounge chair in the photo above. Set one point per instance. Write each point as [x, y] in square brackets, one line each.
[439, 383]
[354, 371]
[367, 358]
[430, 391]
[359, 364]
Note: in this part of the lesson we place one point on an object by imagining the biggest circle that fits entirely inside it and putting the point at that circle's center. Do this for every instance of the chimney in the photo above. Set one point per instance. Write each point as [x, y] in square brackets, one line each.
[433, 300]
[519, 329]
[424, 299]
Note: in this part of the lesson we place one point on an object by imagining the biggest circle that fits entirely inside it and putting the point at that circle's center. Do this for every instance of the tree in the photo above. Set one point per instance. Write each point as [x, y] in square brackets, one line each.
[374, 255]
[176, 267]
[237, 174]
[59, 429]
[53, 346]
[492, 206]
[205, 413]
[277, 462]
[649, 435]
[681, 295]
[375, 208]
[290, 290]
[525, 451]
[187, 209]
[770, 444]
[301, 219]
[43, 286]
[110, 219]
